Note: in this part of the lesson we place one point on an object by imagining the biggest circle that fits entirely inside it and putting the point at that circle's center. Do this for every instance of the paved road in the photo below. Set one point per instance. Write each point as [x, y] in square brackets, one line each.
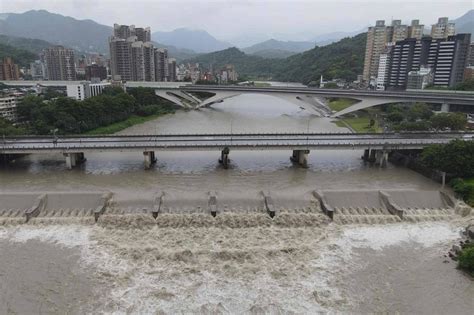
[19, 145]
[448, 97]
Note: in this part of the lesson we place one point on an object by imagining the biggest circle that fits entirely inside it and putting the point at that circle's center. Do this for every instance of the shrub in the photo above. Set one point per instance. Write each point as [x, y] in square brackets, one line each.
[466, 259]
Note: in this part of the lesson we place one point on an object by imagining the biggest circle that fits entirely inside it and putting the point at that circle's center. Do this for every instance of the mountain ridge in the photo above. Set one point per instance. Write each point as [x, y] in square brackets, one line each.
[199, 41]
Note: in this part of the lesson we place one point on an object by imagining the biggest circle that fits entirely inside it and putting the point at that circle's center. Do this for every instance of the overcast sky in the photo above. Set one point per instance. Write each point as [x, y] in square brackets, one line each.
[234, 19]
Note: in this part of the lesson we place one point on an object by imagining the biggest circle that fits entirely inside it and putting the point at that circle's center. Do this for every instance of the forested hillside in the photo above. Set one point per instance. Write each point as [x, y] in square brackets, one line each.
[35, 46]
[20, 56]
[343, 59]
[245, 65]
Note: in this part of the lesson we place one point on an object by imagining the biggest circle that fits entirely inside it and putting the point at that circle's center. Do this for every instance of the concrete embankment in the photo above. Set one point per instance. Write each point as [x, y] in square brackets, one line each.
[214, 208]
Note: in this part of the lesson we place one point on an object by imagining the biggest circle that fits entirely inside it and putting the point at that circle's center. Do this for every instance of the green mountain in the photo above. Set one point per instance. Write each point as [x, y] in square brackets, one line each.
[20, 56]
[245, 65]
[273, 44]
[81, 35]
[32, 45]
[274, 53]
[465, 23]
[343, 59]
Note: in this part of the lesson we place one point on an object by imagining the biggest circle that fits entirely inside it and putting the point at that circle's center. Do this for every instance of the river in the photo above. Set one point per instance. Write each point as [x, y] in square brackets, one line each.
[129, 265]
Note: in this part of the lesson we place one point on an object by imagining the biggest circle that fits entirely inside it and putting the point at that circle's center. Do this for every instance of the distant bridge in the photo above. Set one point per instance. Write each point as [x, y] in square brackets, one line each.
[180, 93]
[309, 96]
[376, 145]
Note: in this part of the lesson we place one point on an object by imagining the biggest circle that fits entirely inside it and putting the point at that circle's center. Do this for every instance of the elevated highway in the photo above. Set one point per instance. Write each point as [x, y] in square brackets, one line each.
[180, 93]
[303, 96]
[377, 145]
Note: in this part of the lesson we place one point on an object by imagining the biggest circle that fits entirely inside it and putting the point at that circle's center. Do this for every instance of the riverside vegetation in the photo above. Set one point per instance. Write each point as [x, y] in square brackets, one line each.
[110, 112]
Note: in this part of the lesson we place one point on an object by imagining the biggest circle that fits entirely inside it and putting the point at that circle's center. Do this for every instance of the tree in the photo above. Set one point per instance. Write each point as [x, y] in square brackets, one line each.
[395, 117]
[419, 111]
[467, 85]
[330, 85]
[452, 121]
[455, 158]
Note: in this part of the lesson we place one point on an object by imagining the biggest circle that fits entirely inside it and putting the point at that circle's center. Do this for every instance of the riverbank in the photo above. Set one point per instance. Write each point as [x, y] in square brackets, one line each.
[129, 122]
[359, 124]
[338, 104]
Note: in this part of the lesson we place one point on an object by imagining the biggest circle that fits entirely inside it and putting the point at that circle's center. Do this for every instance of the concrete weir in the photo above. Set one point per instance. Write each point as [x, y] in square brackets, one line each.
[400, 203]
[52, 204]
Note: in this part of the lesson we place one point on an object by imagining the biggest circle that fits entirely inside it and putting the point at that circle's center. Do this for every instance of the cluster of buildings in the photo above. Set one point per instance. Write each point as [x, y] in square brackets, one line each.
[194, 73]
[399, 56]
[134, 58]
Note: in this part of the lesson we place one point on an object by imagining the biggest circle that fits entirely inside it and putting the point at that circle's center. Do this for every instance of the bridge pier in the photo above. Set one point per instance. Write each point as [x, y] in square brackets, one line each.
[73, 159]
[150, 158]
[366, 155]
[300, 157]
[445, 107]
[6, 158]
[224, 160]
[381, 158]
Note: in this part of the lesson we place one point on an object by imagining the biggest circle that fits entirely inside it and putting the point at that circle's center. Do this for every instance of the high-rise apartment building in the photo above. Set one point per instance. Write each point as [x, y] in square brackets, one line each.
[149, 61]
[59, 63]
[442, 29]
[138, 62]
[380, 35]
[124, 31]
[132, 55]
[384, 67]
[415, 30]
[397, 31]
[143, 34]
[470, 59]
[9, 70]
[405, 57]
[446, 59]
[96, 71]
[161, 64]
[120, 59]
[171, 69]
[377, 37]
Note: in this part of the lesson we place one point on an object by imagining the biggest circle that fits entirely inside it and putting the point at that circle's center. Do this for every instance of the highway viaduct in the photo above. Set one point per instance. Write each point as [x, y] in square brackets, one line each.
[376, 147]
[181, 93]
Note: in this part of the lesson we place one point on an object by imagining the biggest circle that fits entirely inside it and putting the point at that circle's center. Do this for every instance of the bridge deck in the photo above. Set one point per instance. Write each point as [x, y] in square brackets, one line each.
[24, 145]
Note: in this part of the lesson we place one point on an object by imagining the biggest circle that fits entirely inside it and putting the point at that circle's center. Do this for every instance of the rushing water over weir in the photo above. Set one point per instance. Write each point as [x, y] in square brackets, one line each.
[94, 245]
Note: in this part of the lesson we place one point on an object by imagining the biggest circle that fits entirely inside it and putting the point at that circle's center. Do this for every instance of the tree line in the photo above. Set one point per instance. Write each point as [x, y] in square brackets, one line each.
[420, 117]
[41, 116]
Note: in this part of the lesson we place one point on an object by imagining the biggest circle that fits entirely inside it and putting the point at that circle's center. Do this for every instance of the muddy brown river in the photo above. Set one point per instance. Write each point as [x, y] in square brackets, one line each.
[128, 264]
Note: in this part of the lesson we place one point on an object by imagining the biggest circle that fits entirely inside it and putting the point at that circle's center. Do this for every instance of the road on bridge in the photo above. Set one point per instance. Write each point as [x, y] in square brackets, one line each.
[183, 142]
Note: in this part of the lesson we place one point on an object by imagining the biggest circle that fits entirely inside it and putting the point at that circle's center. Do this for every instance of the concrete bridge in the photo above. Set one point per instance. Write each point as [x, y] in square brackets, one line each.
[376, 147]
[181, 93]
[310, 97]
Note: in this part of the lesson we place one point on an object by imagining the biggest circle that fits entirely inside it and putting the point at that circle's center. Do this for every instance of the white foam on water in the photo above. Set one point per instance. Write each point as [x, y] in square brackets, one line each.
[377, 237]
[68, 236]
[241, 270]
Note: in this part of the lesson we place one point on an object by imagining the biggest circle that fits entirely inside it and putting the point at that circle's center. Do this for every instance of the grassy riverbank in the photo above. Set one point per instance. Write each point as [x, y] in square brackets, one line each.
[360, 124]
[118, 126]
[338, 104]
